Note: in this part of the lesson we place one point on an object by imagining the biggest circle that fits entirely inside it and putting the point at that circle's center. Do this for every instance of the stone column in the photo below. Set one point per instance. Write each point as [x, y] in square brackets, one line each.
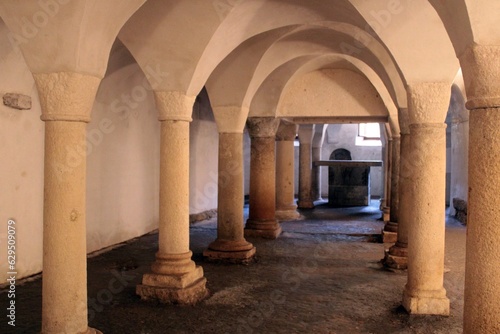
[395, 165]
[306, 132]
[424, 292]
[397, 256]
[390, 232]
[285, 151]
[66, 99]
[262, 216]
[482, 269]
[174, 277]
[230, 245]
[317, 143]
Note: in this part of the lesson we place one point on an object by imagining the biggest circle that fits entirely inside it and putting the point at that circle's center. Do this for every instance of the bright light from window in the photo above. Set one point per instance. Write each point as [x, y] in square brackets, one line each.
[368, 134]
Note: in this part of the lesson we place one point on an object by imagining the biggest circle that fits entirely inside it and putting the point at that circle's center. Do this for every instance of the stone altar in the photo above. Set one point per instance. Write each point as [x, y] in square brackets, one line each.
[349, 181]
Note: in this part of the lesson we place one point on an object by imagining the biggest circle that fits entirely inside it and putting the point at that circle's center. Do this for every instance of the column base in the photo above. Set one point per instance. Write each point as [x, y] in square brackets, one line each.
[288, 213]
[390, 232]
[430, 305]
[92, 331]
[237, 252]
[305, 204]
[186, 289]
[395, 262]
[389, 237]
[267, 229]
[396, 258]
[386, 214]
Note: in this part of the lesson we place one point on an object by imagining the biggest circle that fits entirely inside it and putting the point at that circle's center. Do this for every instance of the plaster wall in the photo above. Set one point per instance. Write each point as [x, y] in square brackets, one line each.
[21, 169]
[204, 155]
[122, 159]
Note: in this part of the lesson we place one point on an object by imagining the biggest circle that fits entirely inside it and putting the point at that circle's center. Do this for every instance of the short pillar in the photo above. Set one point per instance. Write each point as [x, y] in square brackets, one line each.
[424, 292]
[66, 99]
[397, 256]
[262, 216]
[306, 132]
[230, 245]
[482, 263]
[285, 161]
[174, 277]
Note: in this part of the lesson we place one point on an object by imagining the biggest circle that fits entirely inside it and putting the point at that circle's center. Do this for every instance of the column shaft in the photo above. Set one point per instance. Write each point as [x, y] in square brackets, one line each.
[395, 165]
[305, 200]
[285, 194]
[397, 257]
[316, 175]
[262, 221]
[174, 188]
[64, 291]
[386, 209]
[424, 292]
[390, 231]
[482, 270]
[230, 245]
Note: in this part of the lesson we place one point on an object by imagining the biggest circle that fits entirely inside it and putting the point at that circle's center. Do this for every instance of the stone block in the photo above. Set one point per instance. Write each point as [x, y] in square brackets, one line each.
[17, 101]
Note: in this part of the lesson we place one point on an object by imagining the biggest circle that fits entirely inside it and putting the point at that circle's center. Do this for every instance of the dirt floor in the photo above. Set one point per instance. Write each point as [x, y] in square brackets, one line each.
[321, 276]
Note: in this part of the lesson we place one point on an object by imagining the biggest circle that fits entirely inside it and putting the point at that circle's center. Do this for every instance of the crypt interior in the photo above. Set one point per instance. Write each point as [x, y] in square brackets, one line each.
[251, 166]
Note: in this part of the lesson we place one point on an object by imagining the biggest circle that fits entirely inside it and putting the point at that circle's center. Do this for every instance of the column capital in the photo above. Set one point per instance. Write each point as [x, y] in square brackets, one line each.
[286, 131]
[230, 119]
[481, 71]
[66, 96]
[306, 133]
[174, 106]
[259, 127]
[428, 101]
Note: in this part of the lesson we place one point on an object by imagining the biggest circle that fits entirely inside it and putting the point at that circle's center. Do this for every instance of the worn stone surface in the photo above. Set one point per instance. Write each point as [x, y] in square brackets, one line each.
[65, 97]
[312, 280]
[262, 219]
[17, 101]
[306, 133]
[424, 292]
[482, 275]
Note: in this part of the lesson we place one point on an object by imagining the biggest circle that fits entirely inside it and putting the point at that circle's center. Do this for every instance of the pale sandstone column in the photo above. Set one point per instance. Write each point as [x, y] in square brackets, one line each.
[397, 256]
[285, 152]
[306, 132]
[424, 292]
[395, 165]
[481, 70]
[393, 224]
[317, 143]
[390, 230]
[230, 245]
[174, 277]
[262, 216]
[66, 99]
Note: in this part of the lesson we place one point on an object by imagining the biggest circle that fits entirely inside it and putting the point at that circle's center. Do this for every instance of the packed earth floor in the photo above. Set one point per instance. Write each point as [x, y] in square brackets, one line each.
[322, 275]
